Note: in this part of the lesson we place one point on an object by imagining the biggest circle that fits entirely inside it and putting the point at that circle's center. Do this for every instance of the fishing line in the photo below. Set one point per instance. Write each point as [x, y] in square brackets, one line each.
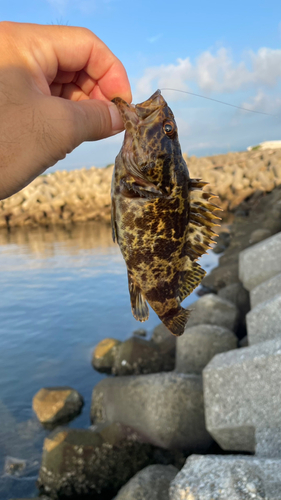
[220, 102]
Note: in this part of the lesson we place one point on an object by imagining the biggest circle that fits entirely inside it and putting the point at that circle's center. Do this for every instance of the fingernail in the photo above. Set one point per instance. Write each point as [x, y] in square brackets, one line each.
[116, 120]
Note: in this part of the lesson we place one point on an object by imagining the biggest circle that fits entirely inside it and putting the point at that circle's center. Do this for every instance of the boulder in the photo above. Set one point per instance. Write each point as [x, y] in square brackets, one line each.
[213, 310]
[104, 354]
[266, 290]
[264, 321]
[199, 344]
[259, 235]
[135, 356]
[165, 408]
[222, 276]
[54, 405]
[243, 401]
[238, 295]
[233, 477]
[151, 483]
[260, 262]
[87, 462]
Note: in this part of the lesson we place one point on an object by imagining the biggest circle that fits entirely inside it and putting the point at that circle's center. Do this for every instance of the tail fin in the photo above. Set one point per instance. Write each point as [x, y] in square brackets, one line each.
[176, 320]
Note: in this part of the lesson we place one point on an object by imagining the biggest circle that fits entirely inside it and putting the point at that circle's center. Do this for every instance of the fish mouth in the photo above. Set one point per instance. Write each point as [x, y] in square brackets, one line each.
[148, 109]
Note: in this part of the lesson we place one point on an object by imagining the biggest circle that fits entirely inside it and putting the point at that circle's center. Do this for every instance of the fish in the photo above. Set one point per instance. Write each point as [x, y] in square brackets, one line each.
[161, 219]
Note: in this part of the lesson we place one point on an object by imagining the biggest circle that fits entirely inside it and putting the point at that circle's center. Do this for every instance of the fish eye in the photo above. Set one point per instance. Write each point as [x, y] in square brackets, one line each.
[169, 128]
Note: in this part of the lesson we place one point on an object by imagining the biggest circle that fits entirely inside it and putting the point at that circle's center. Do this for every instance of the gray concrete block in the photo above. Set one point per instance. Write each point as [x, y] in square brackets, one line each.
[264, 321]
[235, 477]
[199, 344]
[260, 262]
[167, 409]
[243, 399]
[151, 483]
[266, 290]
[213, 310]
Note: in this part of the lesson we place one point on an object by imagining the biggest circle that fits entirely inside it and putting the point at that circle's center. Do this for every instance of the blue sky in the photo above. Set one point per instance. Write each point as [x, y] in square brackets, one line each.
[230, 51]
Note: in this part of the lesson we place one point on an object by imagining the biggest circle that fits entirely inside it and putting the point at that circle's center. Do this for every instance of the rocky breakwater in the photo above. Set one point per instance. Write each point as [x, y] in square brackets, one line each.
[60, 198]
[82, 195]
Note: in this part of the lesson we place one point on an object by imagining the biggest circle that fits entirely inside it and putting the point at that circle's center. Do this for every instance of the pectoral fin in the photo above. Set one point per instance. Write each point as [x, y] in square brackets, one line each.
[139, 306]
[190, 279]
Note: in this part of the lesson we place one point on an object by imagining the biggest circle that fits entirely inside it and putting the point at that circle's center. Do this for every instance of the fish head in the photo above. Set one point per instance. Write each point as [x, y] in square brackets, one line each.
[151, 145]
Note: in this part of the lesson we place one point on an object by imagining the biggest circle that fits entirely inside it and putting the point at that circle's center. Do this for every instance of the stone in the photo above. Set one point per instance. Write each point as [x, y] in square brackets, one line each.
[54, 405]
[264, 321]
[221, 276]
[243, 401]
[260, 262]
[103, 355]
[199, 344]
[230, 477]
[266, 290]
[213, 310]
[259, 235]
[165, 408]
[243, 342]
[238, 295]
[86, 462]
[137, 355]
[151, 483]
[14, 466]
[140, 332]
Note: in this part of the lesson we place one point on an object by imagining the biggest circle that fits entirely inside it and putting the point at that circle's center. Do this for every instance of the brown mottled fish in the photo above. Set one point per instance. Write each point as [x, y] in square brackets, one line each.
[161, 219]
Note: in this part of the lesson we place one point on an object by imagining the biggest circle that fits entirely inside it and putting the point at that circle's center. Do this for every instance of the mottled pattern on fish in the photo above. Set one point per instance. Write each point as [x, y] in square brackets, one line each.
[161, 219]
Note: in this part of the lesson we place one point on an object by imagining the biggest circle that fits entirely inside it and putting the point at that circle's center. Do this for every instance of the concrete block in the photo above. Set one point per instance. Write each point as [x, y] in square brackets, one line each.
[243, 399]
[167, 409]
[266, 290]
[232, 477]
[213, 310]
[264, 321]
[199, 344]
[260, 262]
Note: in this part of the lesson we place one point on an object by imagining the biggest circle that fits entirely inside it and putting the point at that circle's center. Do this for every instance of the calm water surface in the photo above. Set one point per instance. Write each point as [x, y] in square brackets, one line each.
[62, 291]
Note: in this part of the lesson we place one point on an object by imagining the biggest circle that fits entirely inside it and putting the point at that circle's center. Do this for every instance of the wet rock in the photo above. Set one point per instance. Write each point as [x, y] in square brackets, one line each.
[227, 478]
[243, 401]
[87, 462]
[54, 405]
[104, 354]
[263, 322]
[14, 466]
[165, 408]
[260, 262]
[213, 310]
[266, 290]
[151, 483]
[223, 241]
[199, 344]
[259, 235]
[135, 356]
[221, 276]
[140, 332]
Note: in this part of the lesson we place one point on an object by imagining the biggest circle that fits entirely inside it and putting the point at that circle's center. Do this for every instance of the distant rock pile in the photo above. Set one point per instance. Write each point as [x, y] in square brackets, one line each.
[236, 176]
[82, 195]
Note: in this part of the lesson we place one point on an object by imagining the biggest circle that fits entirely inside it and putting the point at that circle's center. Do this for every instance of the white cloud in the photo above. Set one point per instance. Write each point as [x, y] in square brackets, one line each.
[215, 73]
[264, 103]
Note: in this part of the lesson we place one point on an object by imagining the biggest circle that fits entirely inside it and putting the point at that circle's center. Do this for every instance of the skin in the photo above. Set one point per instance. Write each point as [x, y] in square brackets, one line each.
[56, 84]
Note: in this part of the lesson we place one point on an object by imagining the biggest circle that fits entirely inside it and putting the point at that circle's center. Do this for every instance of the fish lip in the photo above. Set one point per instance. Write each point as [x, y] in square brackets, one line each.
[127, 111]
[136, 113]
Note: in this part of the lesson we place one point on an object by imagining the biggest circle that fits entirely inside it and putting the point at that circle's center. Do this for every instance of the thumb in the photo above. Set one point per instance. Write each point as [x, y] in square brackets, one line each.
[75, 122]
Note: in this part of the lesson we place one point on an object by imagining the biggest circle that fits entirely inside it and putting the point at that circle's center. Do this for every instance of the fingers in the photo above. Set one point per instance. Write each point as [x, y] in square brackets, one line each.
[52, 50]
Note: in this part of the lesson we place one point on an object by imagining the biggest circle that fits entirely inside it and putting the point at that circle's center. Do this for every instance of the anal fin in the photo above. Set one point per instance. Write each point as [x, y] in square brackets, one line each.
[138, 303]
[176, 321]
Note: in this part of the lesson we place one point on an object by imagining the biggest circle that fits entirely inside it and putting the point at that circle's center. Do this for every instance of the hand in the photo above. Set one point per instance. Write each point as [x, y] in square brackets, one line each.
[56, 84]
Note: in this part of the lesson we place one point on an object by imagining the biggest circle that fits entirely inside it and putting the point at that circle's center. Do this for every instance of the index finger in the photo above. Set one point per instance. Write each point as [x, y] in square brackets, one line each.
[69, 48]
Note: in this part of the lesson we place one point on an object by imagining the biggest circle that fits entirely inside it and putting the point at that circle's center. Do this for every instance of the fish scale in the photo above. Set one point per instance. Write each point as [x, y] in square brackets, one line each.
[161, 219]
